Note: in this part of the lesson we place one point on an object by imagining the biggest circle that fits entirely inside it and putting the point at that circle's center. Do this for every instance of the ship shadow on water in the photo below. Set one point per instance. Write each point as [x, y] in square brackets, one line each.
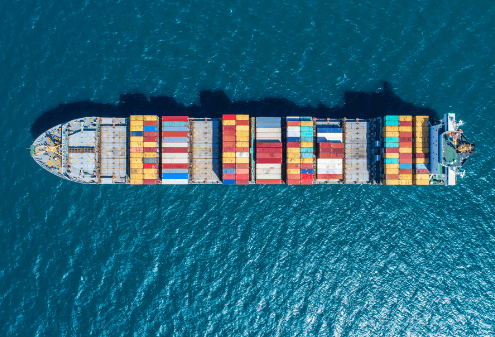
[213, 104]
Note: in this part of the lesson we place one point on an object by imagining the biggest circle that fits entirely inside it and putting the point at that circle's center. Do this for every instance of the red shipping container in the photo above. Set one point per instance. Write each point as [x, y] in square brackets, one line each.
[273, 144]
[150, 182]
[269, 155]
[241, 166]
[228, 117]
[228, 128]
[420, 155]
[268, 150]
[175, 150]
[422, 171]
[307, 181]
[228, 134]
[229, 165]
[340, 156]
[405, 144]
[326, 155]
[228, 144]
[268, 181]
[242, 149]
[150, 166]
[405, 123]
[405, 140]
[326, 150]
[392, 177]
[405, 155]
[242, 171]
[293, 123]
[338, 145]
[241, 177]
[294, 166]
[329, 176]
[228, 149]
[242, 182]
[306, 176]
[228, 138]
[405, 160]
[150, 133]
[174, 118]
[150, 123]
[269, 160]
[151, 139]
[175, 134]
[228, 176]
[325, 145]
[174, 166]
[136, 149]
[306, 166]
[293, 182]
[150, 149]
[405, 171]
[292, 144]
[241, 122]
[391, 150]
[405, 134]
[293, 177]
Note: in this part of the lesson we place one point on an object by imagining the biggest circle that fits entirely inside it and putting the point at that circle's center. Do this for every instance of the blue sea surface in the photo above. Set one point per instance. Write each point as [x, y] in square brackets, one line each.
[80, 260]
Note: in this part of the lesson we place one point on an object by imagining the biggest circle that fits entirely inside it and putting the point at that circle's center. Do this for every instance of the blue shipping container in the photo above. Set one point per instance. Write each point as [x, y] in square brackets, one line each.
[306, 128]
[175, 139]
[391, 160]
[421, 166]
[405, 166]
[174, 176]
[268, 125]
[391, 123]
[174, 124]
[292, 119]
[307, 155]
[136, 133]
[391, 140]
[228, 171]
[293, 139]
[150, 128]
[174, 171]
[306, 171]
[391, 118]
[306, 139]
[150, 160]
[306, 150]
[308, 119]
[175, 129]
[306, 134]
[229, 182]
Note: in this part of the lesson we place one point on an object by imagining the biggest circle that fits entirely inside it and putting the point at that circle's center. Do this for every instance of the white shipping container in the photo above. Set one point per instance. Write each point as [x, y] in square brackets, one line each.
[242, 154]
[328, 161]
[267, 171]
[175, 145]
[329, 166]
[330, 136]
[175, 155]
[293, 134]
[293, 128]
[175, 161]
[329, 171]
[268, 166]
[175, 182]
[268, 130]
[269, 176]
[269, 136]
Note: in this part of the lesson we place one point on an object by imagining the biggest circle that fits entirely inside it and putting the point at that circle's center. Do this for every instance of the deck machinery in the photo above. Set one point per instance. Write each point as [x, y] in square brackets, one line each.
[94, 150]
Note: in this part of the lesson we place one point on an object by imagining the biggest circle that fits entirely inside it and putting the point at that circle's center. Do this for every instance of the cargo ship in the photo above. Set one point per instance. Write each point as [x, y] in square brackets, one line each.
[244, 150]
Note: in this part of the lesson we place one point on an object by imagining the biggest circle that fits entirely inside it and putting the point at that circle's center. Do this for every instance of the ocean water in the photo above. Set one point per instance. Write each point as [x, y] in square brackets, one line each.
[81, 260]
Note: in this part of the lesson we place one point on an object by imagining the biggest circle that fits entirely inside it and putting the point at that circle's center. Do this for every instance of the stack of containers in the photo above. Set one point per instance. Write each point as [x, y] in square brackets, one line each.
[136, 149]
[293, 151]
[242, 149]
[228, 149]
[329, 162]
[390, 155]
[405, 150]
[307, 150]
[175, 150]
[268, 150]
[151, 148]
[421, 174]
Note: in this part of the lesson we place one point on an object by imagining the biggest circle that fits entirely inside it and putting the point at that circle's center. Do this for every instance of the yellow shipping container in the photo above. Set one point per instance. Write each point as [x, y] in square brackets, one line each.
[405, 150]
[390, 129]
[136, 160]
[136, 165]
[306, 160]
[136, 123]
[293, 160]
[150, 171]
[242, 160]
[390, 134]
[306, 123]
[151, 176]
[150, 155]
[137, 155]
[137, 176]
[242, 144]
[405, 118]
[422, 176]
[391, 182]
[229, 160]
[137, 139]
[421, 118]
[136, 171]
[421, 182]
[136, 182]
[293, 155]
[390, 155]
[421, 160]
[136, 128]
[137, 144]
[293, 149]
[405, 128]
[150, 144]
[421, 150]
[136, 118]
[150, 118]
[293, 171]
[306, 144]
[392, 166]
[228, 122]
[242, 133]
[391, 170]
[405, 177]
[241, 128]
[405, 182]
[242, 117]
[228, 154]
[242, 139]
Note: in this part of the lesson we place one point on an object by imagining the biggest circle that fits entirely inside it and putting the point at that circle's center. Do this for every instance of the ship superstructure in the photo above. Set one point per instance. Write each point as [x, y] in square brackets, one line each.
[244, 150]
